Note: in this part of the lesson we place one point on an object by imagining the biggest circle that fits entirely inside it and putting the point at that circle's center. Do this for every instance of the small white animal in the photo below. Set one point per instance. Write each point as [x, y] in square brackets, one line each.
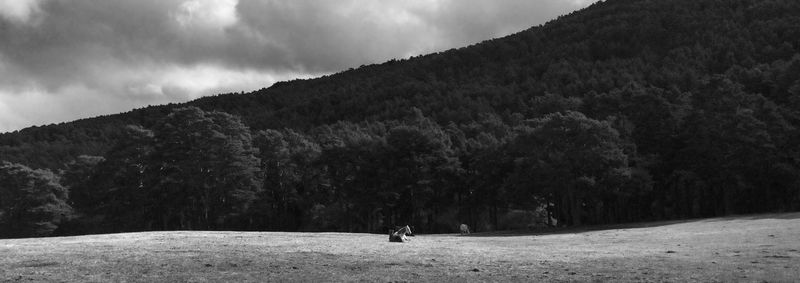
[400, 235]
[464, 229]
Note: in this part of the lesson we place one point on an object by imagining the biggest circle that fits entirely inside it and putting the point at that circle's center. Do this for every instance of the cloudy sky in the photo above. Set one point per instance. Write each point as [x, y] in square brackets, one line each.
[62, 60]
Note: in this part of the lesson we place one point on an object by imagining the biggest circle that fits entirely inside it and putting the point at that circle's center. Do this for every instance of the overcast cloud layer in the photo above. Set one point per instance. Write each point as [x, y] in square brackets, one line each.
[62, 60]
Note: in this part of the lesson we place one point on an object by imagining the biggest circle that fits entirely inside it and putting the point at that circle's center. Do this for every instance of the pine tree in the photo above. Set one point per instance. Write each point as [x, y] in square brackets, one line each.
[32, 202]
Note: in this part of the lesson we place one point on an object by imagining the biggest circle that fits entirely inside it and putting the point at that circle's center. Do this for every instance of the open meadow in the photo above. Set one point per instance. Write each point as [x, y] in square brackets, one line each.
[742, 248]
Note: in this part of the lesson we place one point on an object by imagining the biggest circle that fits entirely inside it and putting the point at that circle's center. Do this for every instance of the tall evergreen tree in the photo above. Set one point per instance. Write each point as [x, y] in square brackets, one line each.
[569, 160]
[289, 178]
[205, 173]
[32, 202]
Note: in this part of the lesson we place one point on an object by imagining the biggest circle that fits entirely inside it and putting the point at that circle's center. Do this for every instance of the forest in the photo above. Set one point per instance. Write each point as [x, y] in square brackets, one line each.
[625, 111]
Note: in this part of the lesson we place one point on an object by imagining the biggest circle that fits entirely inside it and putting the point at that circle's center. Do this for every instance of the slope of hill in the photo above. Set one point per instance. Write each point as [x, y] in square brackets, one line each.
[735, 249]
[667, 45]
[679, 108]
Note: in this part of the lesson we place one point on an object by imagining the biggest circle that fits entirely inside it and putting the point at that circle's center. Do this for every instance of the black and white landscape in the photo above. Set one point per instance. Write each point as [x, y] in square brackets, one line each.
[630, 140]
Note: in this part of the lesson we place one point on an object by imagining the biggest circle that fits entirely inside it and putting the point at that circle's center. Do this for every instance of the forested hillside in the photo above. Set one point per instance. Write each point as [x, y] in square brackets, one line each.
[627, 110]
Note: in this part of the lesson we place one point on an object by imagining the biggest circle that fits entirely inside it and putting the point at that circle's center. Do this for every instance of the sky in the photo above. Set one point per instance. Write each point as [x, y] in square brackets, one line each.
[62, 60]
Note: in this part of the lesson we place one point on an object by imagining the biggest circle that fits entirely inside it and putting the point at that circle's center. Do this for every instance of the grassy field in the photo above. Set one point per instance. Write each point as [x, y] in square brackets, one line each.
[744, 248]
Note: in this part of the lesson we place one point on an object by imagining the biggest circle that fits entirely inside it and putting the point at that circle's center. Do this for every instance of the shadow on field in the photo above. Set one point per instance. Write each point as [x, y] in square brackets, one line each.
[577, 229]
[581, 229]
[783, 216]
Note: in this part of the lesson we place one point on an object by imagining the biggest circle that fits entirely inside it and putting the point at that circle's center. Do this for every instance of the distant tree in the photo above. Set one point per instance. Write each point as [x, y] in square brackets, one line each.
[116, 195]
[205, 173]
[486, 165]
[287, 159]
[77, 178]
[569, 160]
[32, 202]
[418, 160]
[352, 166]
[551, 103]
[732, 149]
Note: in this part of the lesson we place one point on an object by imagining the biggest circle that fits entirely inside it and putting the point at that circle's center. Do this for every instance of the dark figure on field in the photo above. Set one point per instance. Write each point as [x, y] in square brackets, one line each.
[464, 229]
[400, 235]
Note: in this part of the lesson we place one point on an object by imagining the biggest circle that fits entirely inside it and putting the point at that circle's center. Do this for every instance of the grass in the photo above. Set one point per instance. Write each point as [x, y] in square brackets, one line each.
[744, 248]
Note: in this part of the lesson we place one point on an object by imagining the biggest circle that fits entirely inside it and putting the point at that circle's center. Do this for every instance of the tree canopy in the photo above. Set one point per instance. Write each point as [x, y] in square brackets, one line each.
[627, 110]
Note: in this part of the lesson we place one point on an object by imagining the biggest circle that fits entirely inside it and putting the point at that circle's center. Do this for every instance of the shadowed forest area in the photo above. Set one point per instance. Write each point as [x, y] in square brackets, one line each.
[628, 110]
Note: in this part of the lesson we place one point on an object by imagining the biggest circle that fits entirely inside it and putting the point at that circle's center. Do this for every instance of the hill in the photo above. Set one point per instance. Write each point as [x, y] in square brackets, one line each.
[734, 249]
[624, 111]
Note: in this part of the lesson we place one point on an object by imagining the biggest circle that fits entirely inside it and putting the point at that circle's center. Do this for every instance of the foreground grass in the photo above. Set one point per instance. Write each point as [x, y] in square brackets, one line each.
[747, 248]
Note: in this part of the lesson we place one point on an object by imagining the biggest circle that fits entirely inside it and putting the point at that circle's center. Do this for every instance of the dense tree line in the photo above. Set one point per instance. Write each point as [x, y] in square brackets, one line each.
[32, 202]
[627, 110]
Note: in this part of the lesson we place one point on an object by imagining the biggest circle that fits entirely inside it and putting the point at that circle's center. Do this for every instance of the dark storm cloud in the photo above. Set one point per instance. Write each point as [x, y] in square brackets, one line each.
[57, 56]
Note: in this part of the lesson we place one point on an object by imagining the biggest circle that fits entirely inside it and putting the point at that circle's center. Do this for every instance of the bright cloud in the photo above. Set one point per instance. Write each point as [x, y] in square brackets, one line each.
[18, 10]
[207, 15]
